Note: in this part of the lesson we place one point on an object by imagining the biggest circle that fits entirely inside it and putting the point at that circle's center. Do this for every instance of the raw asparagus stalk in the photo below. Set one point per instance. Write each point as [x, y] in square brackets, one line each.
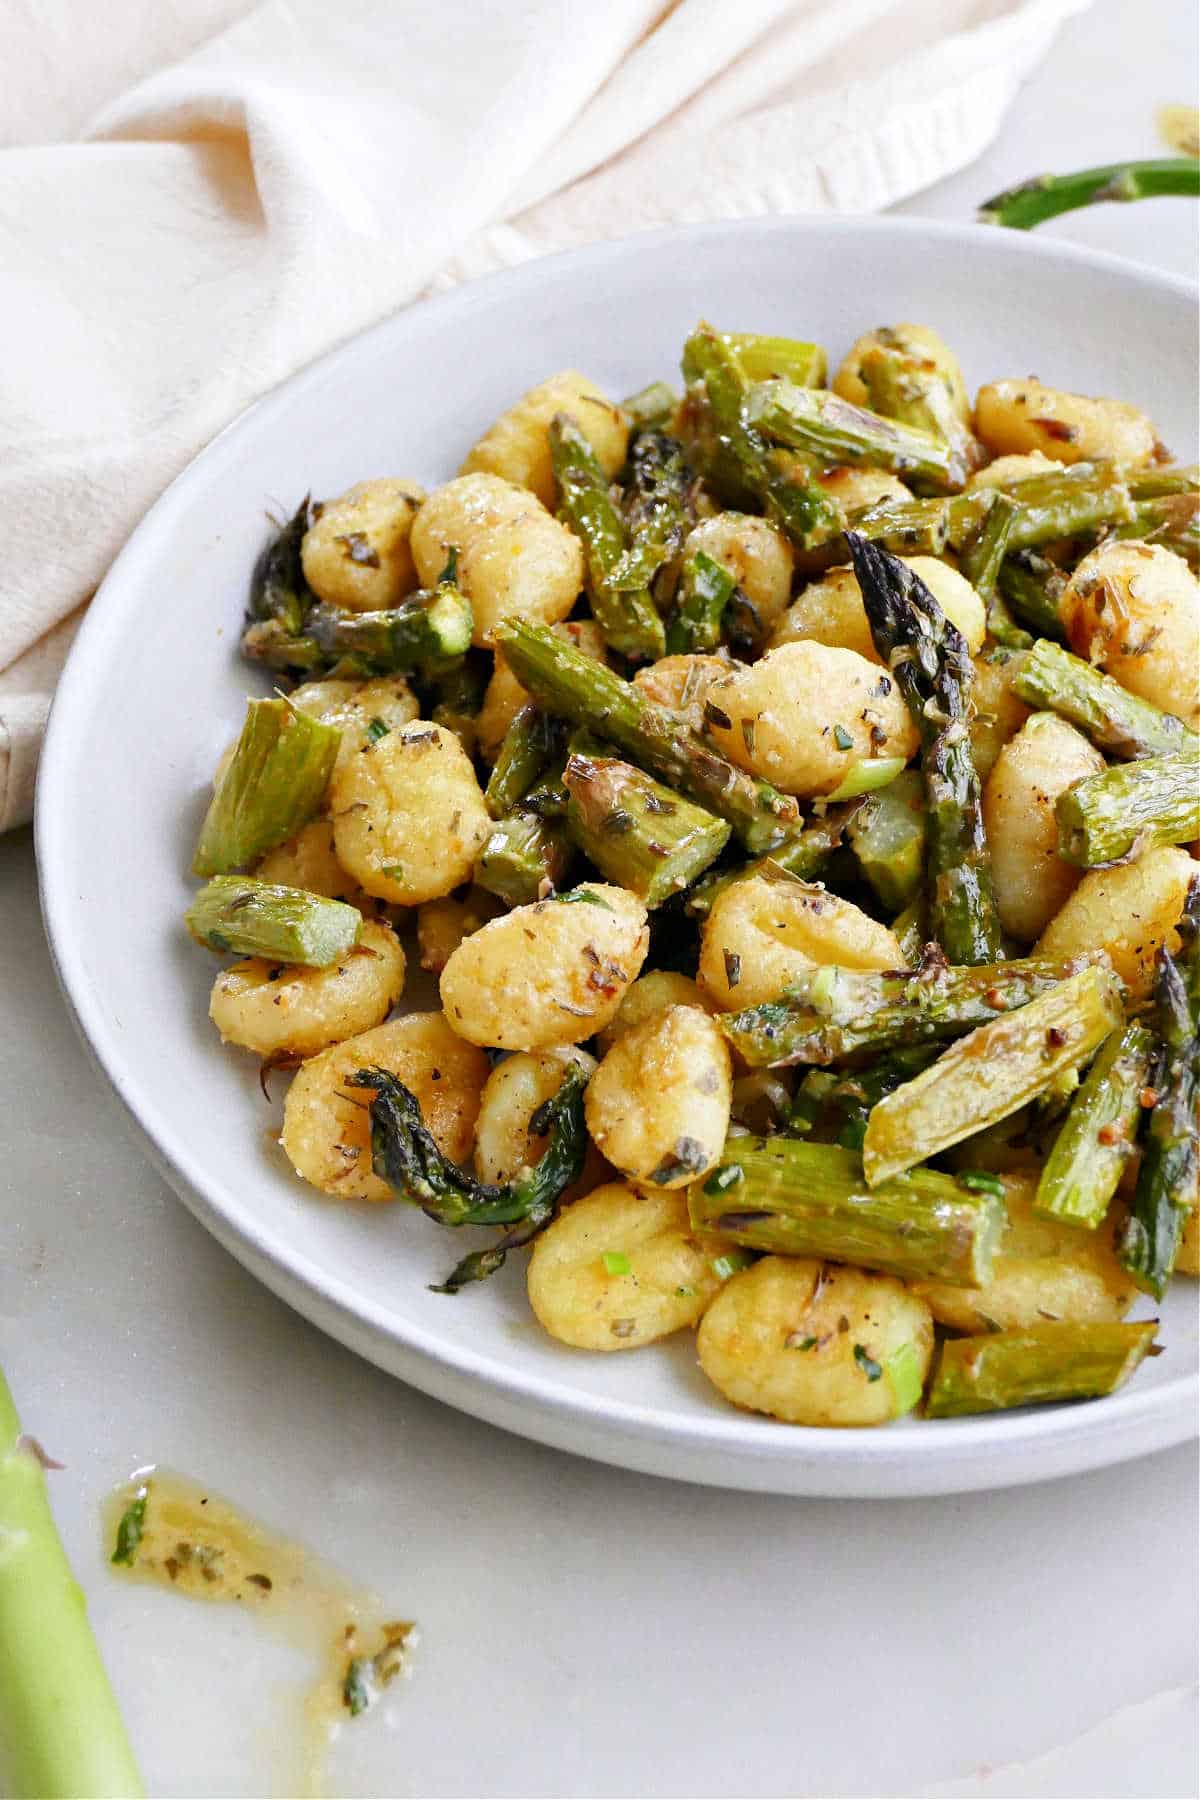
[887, 835]
[831, 1014]
[619, 592]
[705, 590]
[910, 390]
[658, 512]
[821, 425]
[1096, 1139]
[565, 682]
[524, 857]
[1119, 723]
[801, 856]
[737, 459]
[274, 784]
[278, 590]
[406, 1155]
[530, 745]
[991, 1073]
[237, 914]
[1032, 586]
[931, 662]
[801, 1199]
[1044, 197]
[639, 834]
[1169, 1176]
[1124, 810]
[652, 408]
[1037, 1365]
[61, 1735]
[1067, 502]
[419, 637]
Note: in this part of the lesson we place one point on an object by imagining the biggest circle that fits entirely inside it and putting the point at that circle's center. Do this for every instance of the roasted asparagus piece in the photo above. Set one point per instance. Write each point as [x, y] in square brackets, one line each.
[237, 914]
[1035, 1366]
[652, 408]
[833, 1108]
[532, 742]
[1099, 1133]
[705, 590]
[1119, 723]
[618, 584]
[639, 834]
[1067, 502]
[564, 681]
[930, 660]
[1122, 811]
[911, 389]
[525, 857]
[657, 509]
[991, 1073]
[801, 1199]
[803, 855]
[274, 784]
[421, 636]
[278, 590]
[823, 426]
[1032, 586]
[887, 835]
[764, 358]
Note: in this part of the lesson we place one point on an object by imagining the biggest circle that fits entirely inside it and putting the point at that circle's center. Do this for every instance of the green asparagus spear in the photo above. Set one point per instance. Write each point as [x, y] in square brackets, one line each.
[887, 835]
[802, 856]
[1044, 197]
[1114, 815]
[1172, 522]
[406, 1155]
[271, 645]
[830, 1014]
[419, 637]
[1119, 723]
[777, 358]
[652, 408]
[1169, 1177]
[705, 590]
[572, 685]
[658, 512]
[1037, 1365]
[618, 590]
[278, 590]
[61, 1735]
[274, 784]
[911, 930]
[523, 858]
[532, 742]
[1032, 587]
[981, 561]
[639, 834]
[930, 660]
[822, 425]
[1066, 502]
[834, 1109]
[457, 696]
[991, 1073]
[801, 1199]
[1160, 482]
[257, 918]
[911, 390]
[1080, 1175]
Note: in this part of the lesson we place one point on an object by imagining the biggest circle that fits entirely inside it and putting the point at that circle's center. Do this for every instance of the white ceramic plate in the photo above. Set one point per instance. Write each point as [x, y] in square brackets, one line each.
[154, 690]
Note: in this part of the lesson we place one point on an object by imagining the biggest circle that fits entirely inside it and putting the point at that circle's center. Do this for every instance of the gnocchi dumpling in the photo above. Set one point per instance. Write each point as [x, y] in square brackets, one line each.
[649, 995]
[356, 553]
[516, 1087]
[409, 817]
[517, 446]
[284, 1010]
[1130, 911]
[997, 711]
[356, 707]
[443, 924]
[760, 560]
[682, 683]
[1135, 610]
[658, 1105]
[761, 933]
[1045, 758]
[309, 861]
[830, 610]
[917, 341]
[1017, 417]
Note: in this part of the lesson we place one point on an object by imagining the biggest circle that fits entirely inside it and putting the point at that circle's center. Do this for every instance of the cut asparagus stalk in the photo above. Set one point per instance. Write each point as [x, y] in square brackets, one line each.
[1046, 196]
[269, 643]
[457, 697]
[991, 1073]
[1169, 1176]
[1159, 483]
[406, 1155]
[834, 1109]
[618, 591]
[564, 681]
[61, 1735]
[419, 637]
[1119, 723]
[831, 1014]
[1123, 811]
[1032, 586]
[931, 662]
[278, 590]
[1067, 502]
[1035, 1366]
[887, 835]
[822, 425]
[912, 391]
[911, 930]
[705, 590]
[981, 561]
[802, 856]
[524, 857]
[1172, 522]
[737, 460]
[531, 743]
[800, 1199]
[658, 512]
[652, 408]
[764, 358]
[1097, 1137]
[244, 917]
[274, 784]
[639, 834]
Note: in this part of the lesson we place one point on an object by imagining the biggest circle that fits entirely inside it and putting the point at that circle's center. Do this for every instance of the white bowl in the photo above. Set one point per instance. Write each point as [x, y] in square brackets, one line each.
[154, 690]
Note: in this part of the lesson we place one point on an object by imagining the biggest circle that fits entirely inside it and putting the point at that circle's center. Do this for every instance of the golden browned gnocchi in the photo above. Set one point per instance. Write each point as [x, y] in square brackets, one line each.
[1032, 882]
[760, 560]
[1130, 911]
[356, 553]
[917, 341]
[855, 489]
[504, 696]
[1042, 1270]
[620, 1268]
[1135, 610]
[285, 1010]
[650, 994]
[1007, 471]
[443, 924]
[761, 933]
[998, 712]
[546, 974]
[513, 556]
[309, 861]
[681, 684]
[356, 706]
[807, 715]
[408, 815]
[658, 1105]
[816, 1344]
[516, 1087]
[830, 610]
[327, 1124]
[517, 446]
[1017, 417]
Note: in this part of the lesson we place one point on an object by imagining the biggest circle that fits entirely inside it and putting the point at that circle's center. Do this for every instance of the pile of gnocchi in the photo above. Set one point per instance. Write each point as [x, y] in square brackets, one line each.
[458, 822]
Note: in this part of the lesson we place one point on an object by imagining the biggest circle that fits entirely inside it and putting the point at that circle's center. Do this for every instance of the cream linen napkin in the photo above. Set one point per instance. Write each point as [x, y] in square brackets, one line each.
[310, 168]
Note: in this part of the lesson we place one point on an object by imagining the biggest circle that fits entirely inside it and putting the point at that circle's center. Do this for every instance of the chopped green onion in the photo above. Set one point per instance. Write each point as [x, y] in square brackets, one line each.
[616, 1262]
[980, 1182]
[583, 897]
[865, 777]
[733, 1260]
[904, 1373]
[843, 738]
[393, 871]
[129, 1531]
[720, 1179]
[866, 1362]
[376, 730]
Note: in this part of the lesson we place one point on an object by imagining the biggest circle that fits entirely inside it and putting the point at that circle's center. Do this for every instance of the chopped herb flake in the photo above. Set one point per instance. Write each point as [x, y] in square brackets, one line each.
[722, 1179]
[583, 897]
[731, 1262]
[616, 1262]
[794, 1341]
[393, 871]
[733, 967]
[842, 738]
[376, 730]
[866, 1362]
[980, 1182]
[129, 1531]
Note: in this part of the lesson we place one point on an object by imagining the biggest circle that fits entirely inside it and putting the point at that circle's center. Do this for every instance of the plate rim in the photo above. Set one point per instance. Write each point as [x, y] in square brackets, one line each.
[792, 1458]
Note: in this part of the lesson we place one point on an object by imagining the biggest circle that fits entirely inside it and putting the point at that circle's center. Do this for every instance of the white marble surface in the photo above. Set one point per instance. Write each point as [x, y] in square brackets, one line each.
[585, 1631]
